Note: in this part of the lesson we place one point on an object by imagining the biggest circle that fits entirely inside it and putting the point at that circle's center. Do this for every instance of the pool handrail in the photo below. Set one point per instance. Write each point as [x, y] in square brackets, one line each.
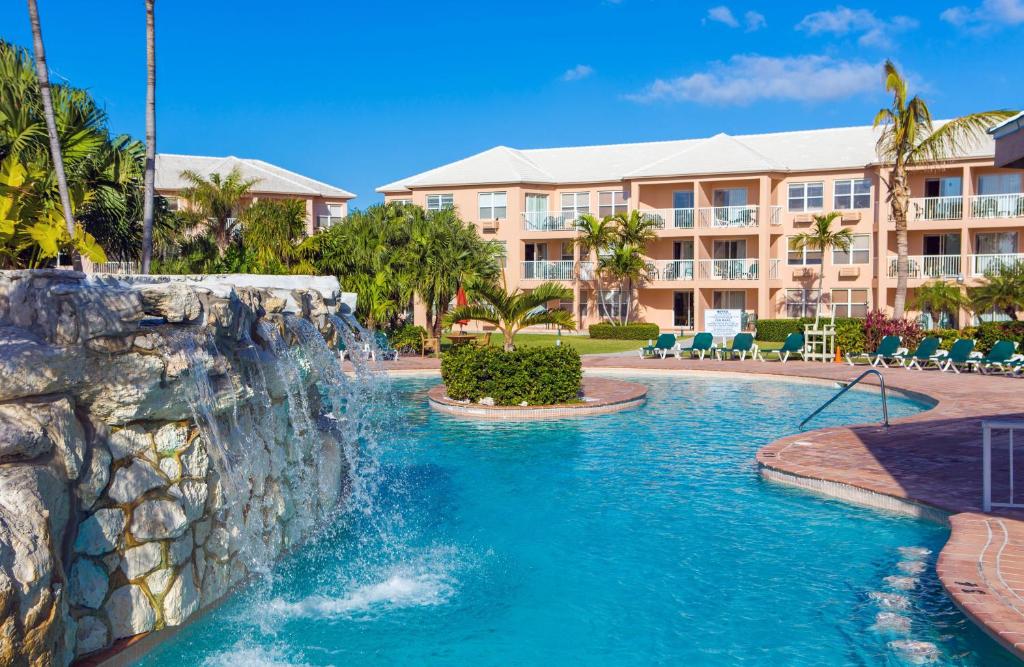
[847, 387]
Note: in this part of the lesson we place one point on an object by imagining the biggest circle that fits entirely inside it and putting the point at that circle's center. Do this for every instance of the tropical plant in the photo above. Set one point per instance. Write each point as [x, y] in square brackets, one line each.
[938, 297]
[1003, 291]
[513, 311]
[878, 325]
[150, 177]
[909, 139]
[273, 231]
[635, 229]
[215, 202]
[822, 238]
[624, 264]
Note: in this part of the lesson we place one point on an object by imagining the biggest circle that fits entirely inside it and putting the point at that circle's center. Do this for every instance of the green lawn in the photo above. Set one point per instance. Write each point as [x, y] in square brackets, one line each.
[583, 344]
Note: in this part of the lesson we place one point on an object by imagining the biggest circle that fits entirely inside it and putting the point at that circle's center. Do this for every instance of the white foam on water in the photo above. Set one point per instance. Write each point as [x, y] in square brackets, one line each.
[901, 583]
[915, 652]
[890, 600]
[887, 621]
[244, 653]
[914, 553]
[912, 566]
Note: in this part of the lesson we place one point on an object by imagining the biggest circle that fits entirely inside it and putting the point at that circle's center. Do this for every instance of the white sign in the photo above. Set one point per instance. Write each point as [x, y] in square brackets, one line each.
[723, 323]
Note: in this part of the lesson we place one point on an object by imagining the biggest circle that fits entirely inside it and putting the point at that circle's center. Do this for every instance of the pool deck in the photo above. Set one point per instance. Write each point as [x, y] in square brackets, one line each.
[928, 464]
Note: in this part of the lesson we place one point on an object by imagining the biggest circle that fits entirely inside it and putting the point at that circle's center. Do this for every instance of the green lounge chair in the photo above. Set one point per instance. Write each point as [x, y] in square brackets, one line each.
[384, 349]
[1015, 365]
[794, 344]
[959, 356]
[998, 356]
[926, 349]
[702, 344]
[887, 351]
[742, 345]
[665, 345]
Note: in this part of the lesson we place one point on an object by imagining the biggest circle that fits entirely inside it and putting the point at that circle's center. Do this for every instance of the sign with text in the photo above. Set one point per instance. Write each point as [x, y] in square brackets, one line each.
[722, 322]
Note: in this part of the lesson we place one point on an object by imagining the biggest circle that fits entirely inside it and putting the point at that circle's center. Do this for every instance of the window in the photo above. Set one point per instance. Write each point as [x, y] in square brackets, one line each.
[172, 203]
[502, 252]
[806, 196]
[801, 302]
[567, 251]
[332, 217]
[805, 256]
[859, 252]
[493, 205]
[729, 197]
[729, 300]
[439, 202]
[575, 204]
[850, 302]
[852, 193]
[612, 304]
[611, 203]
[998, 184]
[402, 202]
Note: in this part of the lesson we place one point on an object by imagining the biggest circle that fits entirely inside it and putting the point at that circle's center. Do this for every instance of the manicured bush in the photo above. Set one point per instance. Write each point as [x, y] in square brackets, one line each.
[775, 331]
[948, 336]
[878, 325]
[850, 338]
[986, 334]
[536, 375]
[407, 338]
[631, 331]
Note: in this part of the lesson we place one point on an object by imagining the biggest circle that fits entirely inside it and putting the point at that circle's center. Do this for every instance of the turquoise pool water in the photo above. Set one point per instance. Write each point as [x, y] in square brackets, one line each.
[645, 537]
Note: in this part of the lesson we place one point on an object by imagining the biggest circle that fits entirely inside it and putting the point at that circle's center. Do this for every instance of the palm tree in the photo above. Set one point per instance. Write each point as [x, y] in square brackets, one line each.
[908, 139]
[820, 237]
[216, 201]
[938, 297]
[1003, 291]
[149, 186]
[594, 235]
[635, 229]
[626, 265]
[513, 311]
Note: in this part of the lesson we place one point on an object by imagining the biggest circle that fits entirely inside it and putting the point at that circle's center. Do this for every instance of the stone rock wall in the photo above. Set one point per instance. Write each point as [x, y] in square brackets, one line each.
[120, 511]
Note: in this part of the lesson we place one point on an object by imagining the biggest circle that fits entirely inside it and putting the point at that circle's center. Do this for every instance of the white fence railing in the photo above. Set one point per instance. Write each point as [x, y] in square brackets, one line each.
[670, 218]
[119, 268]
[728, 269]
[549, 270]
[994, 264]
[987, 429]
[548, 221]
[929, 266]
[671, 269]
[998, 206]
[936, 208]
[773, 268]
[588, 270]
[729, 216]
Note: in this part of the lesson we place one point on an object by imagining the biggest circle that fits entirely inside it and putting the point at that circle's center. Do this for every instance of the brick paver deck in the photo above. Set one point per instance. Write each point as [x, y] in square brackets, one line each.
[931, 460]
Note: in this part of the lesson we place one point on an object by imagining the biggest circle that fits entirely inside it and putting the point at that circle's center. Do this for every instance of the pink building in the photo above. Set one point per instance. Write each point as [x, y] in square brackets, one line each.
[727, 208]
[325, 204]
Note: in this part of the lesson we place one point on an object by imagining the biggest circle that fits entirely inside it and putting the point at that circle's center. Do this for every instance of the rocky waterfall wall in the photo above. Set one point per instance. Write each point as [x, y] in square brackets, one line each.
[155, 448]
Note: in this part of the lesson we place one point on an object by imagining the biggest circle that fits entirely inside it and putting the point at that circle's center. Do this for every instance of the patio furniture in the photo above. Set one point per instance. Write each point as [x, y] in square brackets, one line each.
[665, 344]
[958, 356]
[429, 343]
[998, 356]
[886, 351]
[460, 339]
[742, 345]
[483, 341]
[794, 344]
[926, 349]
[702, 344]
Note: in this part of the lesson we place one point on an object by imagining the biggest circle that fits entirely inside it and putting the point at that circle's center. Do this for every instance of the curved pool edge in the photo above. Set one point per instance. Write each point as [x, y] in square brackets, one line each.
[602, 395]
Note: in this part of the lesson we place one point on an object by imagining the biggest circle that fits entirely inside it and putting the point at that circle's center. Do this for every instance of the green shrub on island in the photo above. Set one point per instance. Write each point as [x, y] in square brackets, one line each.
[408, 338]
[631, 331]
[531, 375]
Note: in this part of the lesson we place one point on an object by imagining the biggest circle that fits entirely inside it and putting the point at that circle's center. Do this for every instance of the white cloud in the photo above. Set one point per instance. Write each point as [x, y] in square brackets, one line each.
[988, 16]
[843, 21]
[745, 79]
[723, 14]
[754, 21]
[577, 73]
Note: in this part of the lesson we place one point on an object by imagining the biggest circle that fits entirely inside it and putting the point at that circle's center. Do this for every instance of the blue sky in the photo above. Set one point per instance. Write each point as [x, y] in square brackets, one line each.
[359, 94]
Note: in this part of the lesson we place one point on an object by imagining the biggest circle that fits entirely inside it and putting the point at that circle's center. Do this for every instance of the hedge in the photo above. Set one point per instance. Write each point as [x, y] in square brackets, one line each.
[534, 375]
[775, 331]
[407, 338]
[986, 334]
[631, 331]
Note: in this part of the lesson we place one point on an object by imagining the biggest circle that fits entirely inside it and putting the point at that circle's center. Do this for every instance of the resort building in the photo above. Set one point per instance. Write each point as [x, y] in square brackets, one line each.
[325, 204]
[727, 209]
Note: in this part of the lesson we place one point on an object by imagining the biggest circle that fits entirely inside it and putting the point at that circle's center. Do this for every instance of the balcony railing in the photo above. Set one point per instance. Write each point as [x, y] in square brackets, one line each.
[998, 206]
[587, 270]
[671, 218]
[548, 221]
[929, 266]
[729, 216]
[994, 264]
[549, 270]
[728, 269]
[670, 269]
[936, 208]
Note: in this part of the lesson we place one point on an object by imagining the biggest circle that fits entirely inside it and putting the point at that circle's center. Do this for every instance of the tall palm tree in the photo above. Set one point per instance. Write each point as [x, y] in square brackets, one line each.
[625, 264]
[938, 297]
[909, 139]
[216, 202]
[511, 312]
[149, 184]
[594, 235]
[821, 237]
[635, 228]
[1003, 291]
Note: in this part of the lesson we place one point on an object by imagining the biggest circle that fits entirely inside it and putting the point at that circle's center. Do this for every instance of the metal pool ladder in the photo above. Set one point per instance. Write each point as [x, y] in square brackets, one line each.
[885, 402]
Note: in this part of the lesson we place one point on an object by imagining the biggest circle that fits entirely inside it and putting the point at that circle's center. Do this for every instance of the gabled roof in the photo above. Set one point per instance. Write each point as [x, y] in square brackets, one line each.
[805, 150]
[270, 179]
[1008, 126]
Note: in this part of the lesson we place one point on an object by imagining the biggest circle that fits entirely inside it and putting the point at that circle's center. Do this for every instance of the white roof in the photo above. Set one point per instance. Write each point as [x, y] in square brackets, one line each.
[271, 179]
[804, 150]
[1008, 126]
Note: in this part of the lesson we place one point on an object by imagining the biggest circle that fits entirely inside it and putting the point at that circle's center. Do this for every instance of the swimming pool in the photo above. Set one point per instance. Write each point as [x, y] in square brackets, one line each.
[642, 537]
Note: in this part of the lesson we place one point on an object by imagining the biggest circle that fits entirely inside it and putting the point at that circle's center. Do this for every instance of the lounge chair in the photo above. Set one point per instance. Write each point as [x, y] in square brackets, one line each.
[665, 345]
[887, 351]
[1015, 365]
[742, 345]
[702, 344]
[926, 349]
[959, 356]
[998, 356]
[794, 344]
[384, 349]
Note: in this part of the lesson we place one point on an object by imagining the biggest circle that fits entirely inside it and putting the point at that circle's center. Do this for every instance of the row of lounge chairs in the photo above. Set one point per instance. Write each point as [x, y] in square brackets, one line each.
[703, 346]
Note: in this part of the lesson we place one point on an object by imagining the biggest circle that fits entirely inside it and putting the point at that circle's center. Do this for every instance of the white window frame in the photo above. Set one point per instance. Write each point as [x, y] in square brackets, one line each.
[580, 203]
[488, 201]
[848, 303]
[403, 202]
[848, 201]
[803, 197]
[806, 254]
[612, 308]
[329, 220]
[439, 202]
[807, 301]
[619, 202]
[503, 256]
[854, 255]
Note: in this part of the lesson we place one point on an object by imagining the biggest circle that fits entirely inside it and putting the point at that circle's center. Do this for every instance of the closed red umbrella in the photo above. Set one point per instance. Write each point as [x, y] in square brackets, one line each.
[461, 300]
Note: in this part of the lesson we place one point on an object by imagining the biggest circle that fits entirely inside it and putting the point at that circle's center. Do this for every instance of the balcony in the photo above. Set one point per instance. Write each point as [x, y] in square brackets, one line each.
[982, 265]
[549, 221]
[549, 270]
[672, 269]
[672, 218]
[997, 206]
[929, 266]
[936, 208]
[739, 216]
[728, 269]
